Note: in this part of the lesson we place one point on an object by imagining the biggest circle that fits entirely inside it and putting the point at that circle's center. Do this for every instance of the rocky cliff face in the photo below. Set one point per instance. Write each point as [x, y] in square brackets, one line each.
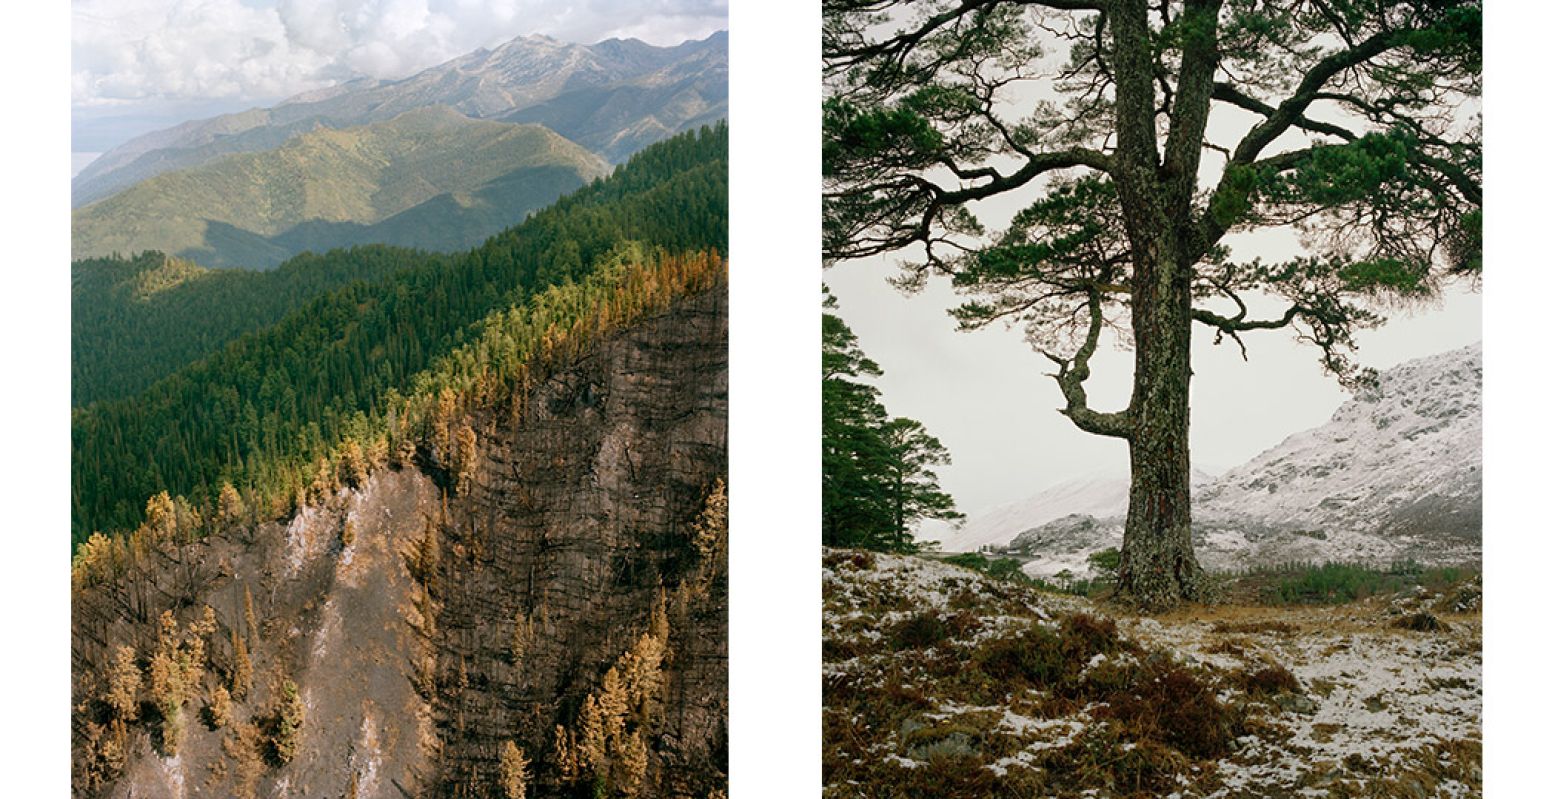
[583, 523]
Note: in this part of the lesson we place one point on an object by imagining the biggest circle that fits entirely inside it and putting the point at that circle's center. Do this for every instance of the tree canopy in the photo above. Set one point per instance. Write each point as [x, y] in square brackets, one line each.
[1139, 140]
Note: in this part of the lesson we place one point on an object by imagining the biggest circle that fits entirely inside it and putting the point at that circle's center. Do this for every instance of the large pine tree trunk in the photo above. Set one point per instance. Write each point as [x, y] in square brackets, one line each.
[1158, 567]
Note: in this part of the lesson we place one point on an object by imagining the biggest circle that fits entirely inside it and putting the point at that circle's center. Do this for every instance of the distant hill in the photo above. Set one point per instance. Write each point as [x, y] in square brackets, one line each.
[430, 178]
[1099, 494]
[637, 93]
[620, 118]
[1403, 461]
[1394, 474]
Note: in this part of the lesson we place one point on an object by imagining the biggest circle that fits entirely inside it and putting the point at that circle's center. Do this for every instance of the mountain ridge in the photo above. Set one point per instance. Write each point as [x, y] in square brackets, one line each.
[331, 187]
[1393, 474]
[484, 84]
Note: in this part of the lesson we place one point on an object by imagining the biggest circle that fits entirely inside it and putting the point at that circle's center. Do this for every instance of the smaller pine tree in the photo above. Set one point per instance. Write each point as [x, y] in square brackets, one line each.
[514, 771]
[242, 668]
[219, 709]
[429, 557]
[631, 765]
[229, 506]
[464, 458]
[523, 636]
[712, 524]
[353, 464]
[288, 723]
[251, 624]
[124, 685]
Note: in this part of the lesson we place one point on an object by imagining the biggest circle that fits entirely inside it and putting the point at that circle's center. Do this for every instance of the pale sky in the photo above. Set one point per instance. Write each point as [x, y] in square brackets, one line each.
[141, 65]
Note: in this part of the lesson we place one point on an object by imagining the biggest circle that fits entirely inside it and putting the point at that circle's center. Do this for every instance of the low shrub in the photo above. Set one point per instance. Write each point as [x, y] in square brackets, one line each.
[1173, 705]
[1268, 681]
[854, 559]
[997, 568]
[1421, 622]
[920, 631]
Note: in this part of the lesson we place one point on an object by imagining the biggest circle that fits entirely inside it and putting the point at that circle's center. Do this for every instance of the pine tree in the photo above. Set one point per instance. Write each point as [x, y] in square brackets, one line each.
[289, 717]
[877, 481]
[219, 708]
[523, 636]
[513, 771]
[250, 623]
[242, 668]
[1348, 124]
[229, 506]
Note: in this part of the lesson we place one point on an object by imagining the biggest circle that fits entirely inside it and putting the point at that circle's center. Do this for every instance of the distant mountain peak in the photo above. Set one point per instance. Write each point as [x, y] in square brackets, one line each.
[614, 97]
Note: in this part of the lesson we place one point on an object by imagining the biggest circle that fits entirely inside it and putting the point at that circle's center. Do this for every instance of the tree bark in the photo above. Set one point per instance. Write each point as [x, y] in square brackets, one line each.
[1158, 568]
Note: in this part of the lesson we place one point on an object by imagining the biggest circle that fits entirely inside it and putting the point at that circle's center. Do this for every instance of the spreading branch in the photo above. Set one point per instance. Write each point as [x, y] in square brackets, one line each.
[1234, 326]
[918, 203]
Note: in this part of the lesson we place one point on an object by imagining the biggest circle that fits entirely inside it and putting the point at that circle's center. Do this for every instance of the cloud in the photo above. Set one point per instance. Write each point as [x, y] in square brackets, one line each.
[130, 52]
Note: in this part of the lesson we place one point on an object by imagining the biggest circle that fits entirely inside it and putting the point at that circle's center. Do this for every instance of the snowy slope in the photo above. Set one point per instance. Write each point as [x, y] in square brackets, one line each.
[1404, 459]
[1100, 494]
[1395, 473]
[1093, 495]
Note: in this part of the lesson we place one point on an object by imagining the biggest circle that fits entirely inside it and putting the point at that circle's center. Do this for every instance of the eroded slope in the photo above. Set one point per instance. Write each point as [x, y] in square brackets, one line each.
[586, 511]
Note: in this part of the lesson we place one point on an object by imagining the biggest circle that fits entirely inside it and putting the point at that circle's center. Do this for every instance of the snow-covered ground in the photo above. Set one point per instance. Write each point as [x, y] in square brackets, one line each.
[1377, 709]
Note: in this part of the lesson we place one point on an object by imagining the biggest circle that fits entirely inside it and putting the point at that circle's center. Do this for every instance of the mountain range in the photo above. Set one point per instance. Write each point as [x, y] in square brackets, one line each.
[615, 96]
[430, 178]
[1394, 474]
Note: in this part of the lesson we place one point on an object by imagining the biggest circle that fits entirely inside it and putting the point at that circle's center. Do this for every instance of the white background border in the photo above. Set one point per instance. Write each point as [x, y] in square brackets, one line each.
[775, 424]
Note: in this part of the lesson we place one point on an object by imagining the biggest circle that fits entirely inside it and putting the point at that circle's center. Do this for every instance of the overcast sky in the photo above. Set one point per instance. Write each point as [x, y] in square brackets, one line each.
[140, 65]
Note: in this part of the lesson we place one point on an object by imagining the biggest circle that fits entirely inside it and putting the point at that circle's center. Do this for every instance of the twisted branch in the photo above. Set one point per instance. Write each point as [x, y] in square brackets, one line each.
[1072, 374]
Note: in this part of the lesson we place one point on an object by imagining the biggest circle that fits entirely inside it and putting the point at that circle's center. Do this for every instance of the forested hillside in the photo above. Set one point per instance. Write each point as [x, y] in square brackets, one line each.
[135, 320]
[473, 617]
[429, 178]
[263, 410]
